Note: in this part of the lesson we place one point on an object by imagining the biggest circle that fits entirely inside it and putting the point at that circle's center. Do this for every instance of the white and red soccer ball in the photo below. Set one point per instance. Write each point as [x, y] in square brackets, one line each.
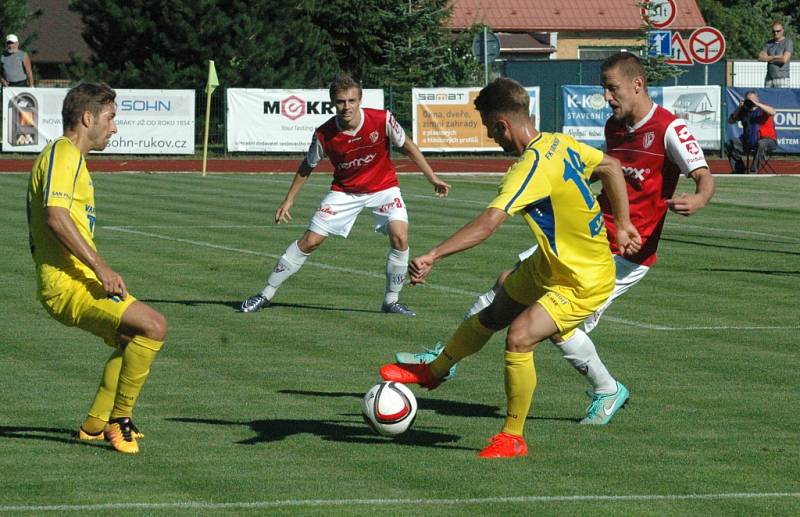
[389, 408]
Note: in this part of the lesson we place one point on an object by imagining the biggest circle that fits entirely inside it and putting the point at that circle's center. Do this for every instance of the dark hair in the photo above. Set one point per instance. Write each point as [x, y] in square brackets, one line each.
[503, 95]
[629, 64]
[85, 97]
[341, 83]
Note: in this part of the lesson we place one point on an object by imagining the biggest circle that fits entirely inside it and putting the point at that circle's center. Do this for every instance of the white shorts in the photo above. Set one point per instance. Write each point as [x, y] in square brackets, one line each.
[628, 275]
[338, 211]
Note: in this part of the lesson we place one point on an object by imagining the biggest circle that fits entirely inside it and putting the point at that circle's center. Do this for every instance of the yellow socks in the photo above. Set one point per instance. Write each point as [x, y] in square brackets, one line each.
[136, 361]
[469, 337]
[100, 410]
[520, 384]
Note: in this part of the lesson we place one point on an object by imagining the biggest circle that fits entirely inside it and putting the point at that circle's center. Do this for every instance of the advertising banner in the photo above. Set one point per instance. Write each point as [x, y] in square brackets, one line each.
[259, 120]
[786, 102]
[586, 111]
[445, 119]
[148, 121]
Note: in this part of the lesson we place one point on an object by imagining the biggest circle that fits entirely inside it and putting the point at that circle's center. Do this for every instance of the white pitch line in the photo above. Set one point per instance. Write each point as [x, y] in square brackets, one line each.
[429, 285]
[273, 256]
[720, 327]
[726, 230]
[289, 503]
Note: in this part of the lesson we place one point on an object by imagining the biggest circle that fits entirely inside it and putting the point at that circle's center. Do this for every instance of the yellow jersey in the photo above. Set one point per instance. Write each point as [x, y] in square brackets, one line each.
[549, 185]
[59, 178]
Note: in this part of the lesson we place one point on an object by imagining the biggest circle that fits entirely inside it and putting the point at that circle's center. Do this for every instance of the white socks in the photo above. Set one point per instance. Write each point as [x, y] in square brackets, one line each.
[579, 350]
[289, 263]
[396, 269]
[481, 303]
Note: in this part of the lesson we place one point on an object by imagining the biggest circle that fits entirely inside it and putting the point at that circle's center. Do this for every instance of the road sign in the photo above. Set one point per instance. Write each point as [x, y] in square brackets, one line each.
[659, 13]
[492, 46]
[679, 54]
[659, 43]
[706, 45]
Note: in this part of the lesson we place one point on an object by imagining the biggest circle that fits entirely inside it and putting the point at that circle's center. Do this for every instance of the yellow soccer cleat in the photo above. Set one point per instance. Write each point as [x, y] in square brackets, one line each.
[120, 432]
[87, 437]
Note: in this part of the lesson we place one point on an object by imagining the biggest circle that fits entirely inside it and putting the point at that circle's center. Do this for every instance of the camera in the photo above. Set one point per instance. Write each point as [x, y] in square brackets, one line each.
[748, 104]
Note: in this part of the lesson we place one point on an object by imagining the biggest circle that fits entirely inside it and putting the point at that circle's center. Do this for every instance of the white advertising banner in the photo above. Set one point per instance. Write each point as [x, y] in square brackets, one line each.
[259, 120]
[445, 119]
[148, 121]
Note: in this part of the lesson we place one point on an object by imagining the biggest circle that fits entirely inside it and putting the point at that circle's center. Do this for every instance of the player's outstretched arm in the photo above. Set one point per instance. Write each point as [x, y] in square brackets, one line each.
[63, 227]
[282, 214]
[471, 234]
[411, 150]
[610, 172]
[688, 204]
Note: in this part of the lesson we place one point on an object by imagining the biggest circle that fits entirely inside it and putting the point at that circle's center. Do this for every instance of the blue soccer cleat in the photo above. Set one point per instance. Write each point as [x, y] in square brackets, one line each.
[603, 407]
[427, 356]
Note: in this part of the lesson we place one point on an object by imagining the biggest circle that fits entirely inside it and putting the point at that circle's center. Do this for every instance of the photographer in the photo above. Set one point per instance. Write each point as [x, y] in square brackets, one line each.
[758, 133]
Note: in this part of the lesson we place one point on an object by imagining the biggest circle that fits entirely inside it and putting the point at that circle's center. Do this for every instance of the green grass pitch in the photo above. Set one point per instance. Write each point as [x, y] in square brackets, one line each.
[259, 413]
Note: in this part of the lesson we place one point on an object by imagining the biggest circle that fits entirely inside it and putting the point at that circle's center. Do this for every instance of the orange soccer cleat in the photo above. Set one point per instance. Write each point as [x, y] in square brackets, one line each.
[410, 374]
[504, 445]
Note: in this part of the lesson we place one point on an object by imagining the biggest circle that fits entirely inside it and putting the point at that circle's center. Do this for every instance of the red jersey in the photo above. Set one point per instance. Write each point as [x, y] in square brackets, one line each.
[653, 153]
[360, 157]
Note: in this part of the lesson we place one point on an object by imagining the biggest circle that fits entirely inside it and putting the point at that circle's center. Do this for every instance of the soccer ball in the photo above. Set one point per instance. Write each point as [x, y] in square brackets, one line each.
[389, 408]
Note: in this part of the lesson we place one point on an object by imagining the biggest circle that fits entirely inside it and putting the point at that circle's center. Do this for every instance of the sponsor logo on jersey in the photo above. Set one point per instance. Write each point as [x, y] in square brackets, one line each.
[635, 173]
[357, 162]
[648, 140]
[353, 140]
[684, 134]
[373, 137]
[693, 148]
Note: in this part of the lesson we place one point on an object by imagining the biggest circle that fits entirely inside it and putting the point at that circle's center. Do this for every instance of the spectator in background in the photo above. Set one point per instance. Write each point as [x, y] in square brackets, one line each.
[16, 64]
[758, 133]
[777, 53]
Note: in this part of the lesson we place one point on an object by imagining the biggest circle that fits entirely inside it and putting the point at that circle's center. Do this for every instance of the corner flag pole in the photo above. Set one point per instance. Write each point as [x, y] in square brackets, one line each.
[212, 83]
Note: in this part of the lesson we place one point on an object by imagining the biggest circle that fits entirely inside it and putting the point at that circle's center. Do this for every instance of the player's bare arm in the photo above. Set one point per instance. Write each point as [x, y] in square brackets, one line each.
[688, 204]
[610, 173]
[282, 214]
[411, 150]
[63, 227]
[470, 235]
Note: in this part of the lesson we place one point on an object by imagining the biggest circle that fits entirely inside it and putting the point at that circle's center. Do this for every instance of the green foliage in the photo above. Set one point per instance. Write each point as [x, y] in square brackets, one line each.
[153, 44]
[15, 15]
[656, 68]
[746, 24]
[271, 44]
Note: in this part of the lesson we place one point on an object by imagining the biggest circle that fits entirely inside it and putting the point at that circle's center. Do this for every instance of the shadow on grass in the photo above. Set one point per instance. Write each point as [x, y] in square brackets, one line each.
[443, 407]
[754, 271]
[330, 430]
[47, 434]
[237, 304]
[764, 250]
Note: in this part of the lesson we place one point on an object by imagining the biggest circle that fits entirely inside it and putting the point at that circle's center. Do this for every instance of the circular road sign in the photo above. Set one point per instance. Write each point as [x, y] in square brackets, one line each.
[492, 46]
[706, 45]
[659, 13]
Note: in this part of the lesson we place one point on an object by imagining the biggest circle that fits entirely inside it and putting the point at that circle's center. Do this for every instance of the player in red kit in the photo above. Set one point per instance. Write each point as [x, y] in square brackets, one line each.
[654, 148]
[357, 142]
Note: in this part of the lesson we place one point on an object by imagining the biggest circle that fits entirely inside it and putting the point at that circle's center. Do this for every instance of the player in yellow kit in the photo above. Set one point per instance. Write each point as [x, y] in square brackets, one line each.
[569, 277]
[75, 285]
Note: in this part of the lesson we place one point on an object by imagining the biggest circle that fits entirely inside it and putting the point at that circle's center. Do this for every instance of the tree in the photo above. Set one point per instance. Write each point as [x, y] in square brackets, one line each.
[156, 44]
[746, 24]
[15, 16]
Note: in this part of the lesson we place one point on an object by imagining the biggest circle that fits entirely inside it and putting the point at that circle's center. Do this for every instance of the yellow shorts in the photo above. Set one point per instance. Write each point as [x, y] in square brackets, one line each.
[77, 299]
[567, 308]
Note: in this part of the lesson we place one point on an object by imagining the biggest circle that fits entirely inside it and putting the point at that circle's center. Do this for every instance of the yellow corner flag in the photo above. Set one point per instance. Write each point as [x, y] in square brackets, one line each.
[211, 85]
[213, 82]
